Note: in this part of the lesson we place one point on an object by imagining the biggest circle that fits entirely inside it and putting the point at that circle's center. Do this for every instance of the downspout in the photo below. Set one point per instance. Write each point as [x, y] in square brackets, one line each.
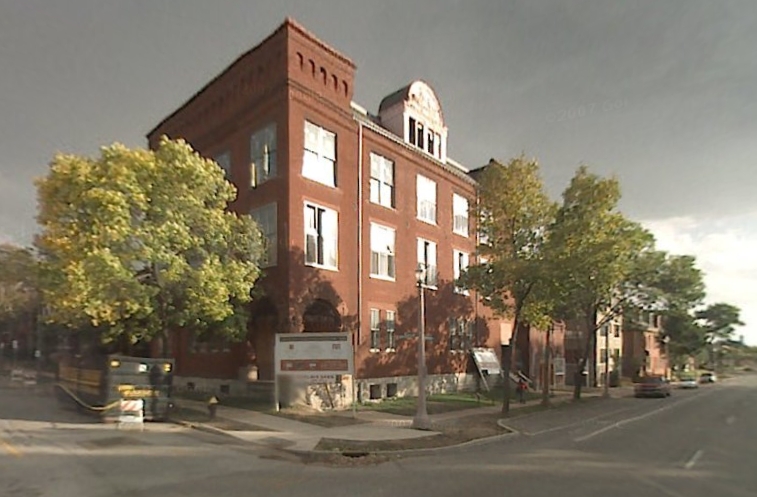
[359, 321]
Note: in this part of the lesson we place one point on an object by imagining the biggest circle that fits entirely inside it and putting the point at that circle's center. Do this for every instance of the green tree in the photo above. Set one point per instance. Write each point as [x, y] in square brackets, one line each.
[719, 322]
[139, 242]
[596, 253]
[18, 282]
[514, 213]
[686, 336]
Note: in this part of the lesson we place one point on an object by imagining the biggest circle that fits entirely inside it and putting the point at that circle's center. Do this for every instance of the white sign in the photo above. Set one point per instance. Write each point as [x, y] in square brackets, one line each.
[314, 354]
[559, 365]
[487, 361]
[131, 411]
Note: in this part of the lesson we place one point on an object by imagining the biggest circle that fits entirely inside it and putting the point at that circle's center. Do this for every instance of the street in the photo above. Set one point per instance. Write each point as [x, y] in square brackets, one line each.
[697, 443]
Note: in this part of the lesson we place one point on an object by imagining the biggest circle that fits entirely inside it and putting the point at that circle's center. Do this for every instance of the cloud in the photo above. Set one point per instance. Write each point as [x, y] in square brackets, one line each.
[726, 251]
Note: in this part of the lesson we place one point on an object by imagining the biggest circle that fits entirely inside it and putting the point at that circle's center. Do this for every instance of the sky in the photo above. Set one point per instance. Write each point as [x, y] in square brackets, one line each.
[661, 94]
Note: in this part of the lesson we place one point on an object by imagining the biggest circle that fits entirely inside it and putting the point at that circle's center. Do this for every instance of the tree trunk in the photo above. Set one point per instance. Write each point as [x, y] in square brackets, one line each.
[507, 366]
[546, 379]
[591, 321]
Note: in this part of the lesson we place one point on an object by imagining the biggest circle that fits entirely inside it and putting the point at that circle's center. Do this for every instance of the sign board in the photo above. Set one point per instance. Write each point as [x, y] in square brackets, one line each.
[487, 361]
[132, 411]
[559, 364]
[320, 355]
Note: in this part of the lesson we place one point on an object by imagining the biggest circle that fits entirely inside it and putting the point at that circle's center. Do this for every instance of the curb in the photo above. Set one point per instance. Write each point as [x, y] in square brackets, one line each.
[203, 427]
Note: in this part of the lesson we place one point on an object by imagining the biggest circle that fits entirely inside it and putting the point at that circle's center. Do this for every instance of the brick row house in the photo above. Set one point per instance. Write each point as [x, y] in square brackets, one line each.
[351, 204]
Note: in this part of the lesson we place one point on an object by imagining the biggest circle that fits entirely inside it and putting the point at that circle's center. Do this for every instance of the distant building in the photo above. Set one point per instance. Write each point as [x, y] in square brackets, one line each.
[643, 350]
[350, 203]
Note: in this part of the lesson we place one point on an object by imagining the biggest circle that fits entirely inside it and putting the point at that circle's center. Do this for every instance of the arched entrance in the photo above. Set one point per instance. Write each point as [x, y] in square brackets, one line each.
[321, 316]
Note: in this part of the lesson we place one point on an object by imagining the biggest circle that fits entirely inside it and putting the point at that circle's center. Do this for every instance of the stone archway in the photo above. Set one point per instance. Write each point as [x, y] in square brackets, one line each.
[321, 316]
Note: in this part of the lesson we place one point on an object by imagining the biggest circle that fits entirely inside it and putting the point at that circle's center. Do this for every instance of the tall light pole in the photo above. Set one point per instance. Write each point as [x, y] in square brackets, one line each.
[606, 386]
[421, 420]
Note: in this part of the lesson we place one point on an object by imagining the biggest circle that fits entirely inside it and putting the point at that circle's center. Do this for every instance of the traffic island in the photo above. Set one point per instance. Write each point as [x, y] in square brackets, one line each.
[455, 432]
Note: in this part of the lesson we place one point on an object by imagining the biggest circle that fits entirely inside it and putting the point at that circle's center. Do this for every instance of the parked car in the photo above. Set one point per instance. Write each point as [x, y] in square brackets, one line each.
[688, 382]
[708, 378]
[652, 386]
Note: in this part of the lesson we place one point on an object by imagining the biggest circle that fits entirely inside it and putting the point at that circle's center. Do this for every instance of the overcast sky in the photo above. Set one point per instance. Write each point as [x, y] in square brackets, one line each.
[661, 93]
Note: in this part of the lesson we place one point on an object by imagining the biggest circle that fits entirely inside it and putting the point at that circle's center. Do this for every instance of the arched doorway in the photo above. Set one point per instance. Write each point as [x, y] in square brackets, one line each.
[321, 316]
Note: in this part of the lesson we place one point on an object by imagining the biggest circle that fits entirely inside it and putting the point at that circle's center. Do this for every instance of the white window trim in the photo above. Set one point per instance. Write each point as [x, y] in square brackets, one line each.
[394, 331]
[457, 270]
[263, 134]
[321, 155]
[421, 200]
[393, 253]
[373, 330]
[422, 260]
[381, 181]
[271, 246]
[456, 200]
[329, 267]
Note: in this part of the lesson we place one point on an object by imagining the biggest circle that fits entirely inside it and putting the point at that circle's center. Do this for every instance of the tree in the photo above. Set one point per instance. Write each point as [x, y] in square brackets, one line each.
[596, 252]
[139, 242]
[719, 322]
[686, 336]
[513, 215]
[18, 282]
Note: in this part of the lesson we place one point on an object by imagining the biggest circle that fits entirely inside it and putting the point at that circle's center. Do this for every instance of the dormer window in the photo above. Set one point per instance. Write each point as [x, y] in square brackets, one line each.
[414, 113]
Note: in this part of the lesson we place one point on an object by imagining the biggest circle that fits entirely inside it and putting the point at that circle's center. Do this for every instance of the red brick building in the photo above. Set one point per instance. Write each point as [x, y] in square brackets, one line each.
[351, 203]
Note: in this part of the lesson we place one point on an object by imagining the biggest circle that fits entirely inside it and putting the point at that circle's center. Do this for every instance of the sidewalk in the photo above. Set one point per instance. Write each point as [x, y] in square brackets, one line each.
[284, 433]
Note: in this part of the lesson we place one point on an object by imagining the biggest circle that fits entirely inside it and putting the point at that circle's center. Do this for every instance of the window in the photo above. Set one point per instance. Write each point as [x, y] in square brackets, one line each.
[224, 162]
[320, 236]
[265, 217]
[431, 142]
[375, 330]
[461, 260]
[382, 181]
[427, 258]
[411, 130]
[382, 251]
[460, 334]
[426, 194]
[319, 161]
[263, 155]
[390, 344]
[421, 132]
[459, 214]
[438, 151]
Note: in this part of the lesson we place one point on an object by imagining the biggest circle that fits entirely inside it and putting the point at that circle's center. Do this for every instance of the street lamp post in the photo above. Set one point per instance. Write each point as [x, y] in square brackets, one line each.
[421, 420]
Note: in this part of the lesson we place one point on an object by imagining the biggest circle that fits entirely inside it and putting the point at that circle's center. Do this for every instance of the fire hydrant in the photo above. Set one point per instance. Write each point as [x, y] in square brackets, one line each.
[212, 406]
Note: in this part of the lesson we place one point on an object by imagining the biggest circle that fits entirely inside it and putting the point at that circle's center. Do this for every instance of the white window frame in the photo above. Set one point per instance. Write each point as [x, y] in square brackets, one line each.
[375, 325]
[322, 234]
[382, 181]
[319, 157]
[263, 146]
[425, 192]
[383, 260]
[391, 323]
[427, 256]
[224, 162]
[461, 261]
[266, 217]
[460, 210]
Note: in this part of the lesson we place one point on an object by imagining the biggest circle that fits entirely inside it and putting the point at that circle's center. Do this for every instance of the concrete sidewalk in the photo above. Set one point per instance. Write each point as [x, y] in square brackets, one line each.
[281, 432]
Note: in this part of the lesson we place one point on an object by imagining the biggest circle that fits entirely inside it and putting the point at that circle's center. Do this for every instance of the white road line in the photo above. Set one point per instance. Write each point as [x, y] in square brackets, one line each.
[637, 418]
[691, 462]
[576, 423]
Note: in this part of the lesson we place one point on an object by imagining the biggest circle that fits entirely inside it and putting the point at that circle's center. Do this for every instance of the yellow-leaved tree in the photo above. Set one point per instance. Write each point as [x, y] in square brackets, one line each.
[136, 243]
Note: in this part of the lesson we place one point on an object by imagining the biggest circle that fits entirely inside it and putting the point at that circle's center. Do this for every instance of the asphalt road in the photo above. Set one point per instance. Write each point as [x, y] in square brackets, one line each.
[695, 444]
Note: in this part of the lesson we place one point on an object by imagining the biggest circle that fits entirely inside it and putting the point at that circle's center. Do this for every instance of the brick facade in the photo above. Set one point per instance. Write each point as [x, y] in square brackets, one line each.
[287, 80]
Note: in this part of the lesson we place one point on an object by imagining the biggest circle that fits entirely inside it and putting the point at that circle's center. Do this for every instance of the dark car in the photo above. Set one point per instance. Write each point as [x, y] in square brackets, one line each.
[652, 386]
[708, 378]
